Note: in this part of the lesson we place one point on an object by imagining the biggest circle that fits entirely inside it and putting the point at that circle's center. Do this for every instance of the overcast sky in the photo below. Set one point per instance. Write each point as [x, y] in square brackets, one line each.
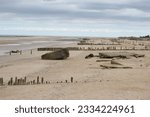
[103, 18]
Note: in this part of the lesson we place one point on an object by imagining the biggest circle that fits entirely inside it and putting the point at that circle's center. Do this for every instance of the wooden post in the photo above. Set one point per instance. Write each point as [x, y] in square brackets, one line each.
[31, 51]
[42, 80]
[38, 82]
[16, 81]
[71, 79]
[11, 81]
[19, 82]
[1, 81]
[33, 81]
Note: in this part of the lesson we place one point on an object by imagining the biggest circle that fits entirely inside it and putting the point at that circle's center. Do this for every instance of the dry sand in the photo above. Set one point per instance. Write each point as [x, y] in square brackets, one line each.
[93, 82]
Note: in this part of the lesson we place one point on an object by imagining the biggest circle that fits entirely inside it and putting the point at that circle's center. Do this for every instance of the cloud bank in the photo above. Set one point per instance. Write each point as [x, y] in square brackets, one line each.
[78, 18]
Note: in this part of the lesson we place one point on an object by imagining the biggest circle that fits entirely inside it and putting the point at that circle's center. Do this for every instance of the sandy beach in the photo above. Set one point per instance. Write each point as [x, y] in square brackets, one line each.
[90, 80]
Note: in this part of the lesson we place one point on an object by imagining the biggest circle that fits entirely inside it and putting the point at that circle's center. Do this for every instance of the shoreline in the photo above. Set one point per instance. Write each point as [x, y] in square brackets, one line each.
[26, 43]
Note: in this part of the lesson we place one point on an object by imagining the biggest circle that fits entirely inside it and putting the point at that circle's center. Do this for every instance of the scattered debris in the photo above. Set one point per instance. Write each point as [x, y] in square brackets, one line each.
[114, 67]
[89, 56]
[103, 60]
[119, 55]
[15, 51]
[115, 62]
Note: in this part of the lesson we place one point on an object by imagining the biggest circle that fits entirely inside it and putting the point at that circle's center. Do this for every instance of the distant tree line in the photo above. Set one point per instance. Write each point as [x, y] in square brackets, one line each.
[147, 36]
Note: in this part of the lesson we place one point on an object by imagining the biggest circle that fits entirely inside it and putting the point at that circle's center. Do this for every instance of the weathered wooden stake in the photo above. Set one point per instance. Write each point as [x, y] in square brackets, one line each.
[19, 82]
[42, 80]
[1, 81]
[33, 81]
[71, 79]
[16, 81]
[31, 51]
[25, 80]
[38, 82]
[11, 81]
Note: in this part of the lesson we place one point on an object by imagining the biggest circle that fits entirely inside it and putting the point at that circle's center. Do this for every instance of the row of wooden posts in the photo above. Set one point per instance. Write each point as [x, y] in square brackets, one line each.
[95, 48]
[113, 48]
[23, 81]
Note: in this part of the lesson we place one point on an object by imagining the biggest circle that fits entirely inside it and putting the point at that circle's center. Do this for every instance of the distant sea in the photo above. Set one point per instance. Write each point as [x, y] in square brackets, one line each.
[28, 44]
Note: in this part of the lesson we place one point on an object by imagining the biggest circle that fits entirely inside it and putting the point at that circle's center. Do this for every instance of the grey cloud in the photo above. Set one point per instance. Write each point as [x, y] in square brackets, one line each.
[70, 9]
[141, 5]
